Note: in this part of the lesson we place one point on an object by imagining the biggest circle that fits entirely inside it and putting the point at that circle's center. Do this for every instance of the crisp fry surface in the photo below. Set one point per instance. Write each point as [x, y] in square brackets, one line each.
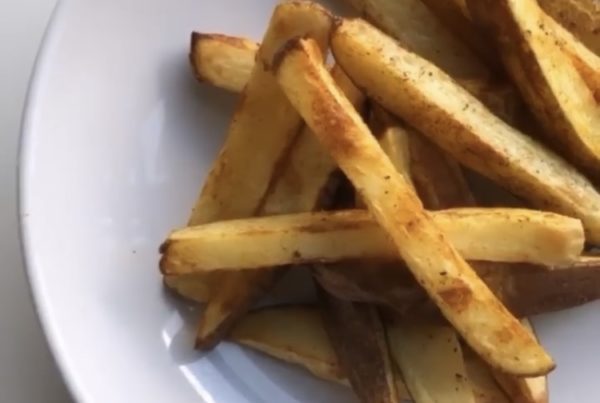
[431, 101]
[462, 297]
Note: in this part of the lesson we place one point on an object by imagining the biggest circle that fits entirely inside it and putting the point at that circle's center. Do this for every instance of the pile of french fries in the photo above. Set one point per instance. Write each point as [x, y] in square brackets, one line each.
[439, 181]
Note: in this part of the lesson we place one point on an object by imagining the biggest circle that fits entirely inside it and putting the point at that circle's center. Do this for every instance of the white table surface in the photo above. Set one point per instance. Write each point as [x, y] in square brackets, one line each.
[27, 371]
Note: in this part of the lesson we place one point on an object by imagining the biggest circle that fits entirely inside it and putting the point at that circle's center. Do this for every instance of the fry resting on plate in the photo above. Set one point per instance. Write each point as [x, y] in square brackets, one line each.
[355, 172]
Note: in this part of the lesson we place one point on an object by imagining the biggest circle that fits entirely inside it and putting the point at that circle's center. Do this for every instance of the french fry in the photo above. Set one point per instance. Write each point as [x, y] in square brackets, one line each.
[430, 358]
[414, 25]
[462, 297]
[501, 235]
[452, 14]
[523, 390]
[296, 334]
[358, 337]
[525, 289]
[485, 388]
[432, 102]
[550, 82]
[228, 69]
[582, 17]
[265, 121]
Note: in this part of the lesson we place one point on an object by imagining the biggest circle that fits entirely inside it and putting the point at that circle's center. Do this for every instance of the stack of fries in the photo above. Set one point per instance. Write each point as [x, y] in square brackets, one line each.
[424, 277]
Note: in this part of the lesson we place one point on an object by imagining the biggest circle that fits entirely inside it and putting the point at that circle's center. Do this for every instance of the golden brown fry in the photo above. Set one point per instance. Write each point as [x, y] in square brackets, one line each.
[433, 103]
[221, 60]
[462, 297]
[430, 358]
[304, 184]
[555, 90]
[501, 235]
[582, 17]
[264, 121]
[414, 25]
[358, 337]
[523, 390]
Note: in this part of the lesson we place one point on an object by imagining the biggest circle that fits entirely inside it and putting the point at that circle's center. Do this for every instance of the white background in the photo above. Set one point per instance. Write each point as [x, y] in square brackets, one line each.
[27, 371]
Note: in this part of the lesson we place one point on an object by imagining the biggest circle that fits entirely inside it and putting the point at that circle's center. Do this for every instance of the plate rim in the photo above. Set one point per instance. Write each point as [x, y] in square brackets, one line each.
[57, 349]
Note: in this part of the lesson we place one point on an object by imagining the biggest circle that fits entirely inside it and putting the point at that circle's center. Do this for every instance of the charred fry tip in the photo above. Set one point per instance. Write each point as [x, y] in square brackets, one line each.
[163, 265]
[164, 247]
[302, 43]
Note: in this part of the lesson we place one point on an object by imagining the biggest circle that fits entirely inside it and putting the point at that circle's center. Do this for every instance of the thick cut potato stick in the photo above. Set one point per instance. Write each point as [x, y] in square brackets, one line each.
[296, 334]
[482, 382]
[462, 297]
[523, 390]
[432, 102]
[501, 235]
[582, 17]
[266, 122]
[549, 80]
[413, 24]
[231, 69]
[525, 289]
[304, 184]
[358, 337]
[430, 358]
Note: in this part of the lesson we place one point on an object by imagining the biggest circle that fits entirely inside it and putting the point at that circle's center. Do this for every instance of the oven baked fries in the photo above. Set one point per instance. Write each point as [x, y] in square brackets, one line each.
[424, 276]
[550, 81]
[501, 235]
[438, 107]
[451, 283]
[229, 69]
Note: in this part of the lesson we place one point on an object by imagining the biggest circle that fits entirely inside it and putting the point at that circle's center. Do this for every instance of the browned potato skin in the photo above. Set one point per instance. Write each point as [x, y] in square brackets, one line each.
[461, 295]
[525, 289]
[582, 17]
[357, 335]
[461, 125]
[524, 36]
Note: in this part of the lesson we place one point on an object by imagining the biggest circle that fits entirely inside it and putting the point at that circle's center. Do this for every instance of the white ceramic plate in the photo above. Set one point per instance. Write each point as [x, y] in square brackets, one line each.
[117, 139]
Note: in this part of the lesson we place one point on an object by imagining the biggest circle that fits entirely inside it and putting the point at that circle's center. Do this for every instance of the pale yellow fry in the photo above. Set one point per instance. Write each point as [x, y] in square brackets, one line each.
[501, 235]
[228, 69]
[432, 102]
[453, 285]
[552, 85]
[430, 358]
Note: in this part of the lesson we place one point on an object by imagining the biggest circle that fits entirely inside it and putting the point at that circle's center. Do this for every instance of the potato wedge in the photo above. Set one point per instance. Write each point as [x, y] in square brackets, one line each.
[221, 60]
[292, 333]
[461, 125]
[462, 297]
[296, 334]
[265, 121]
[525, 289]
[502, 235]
[414, 25]
[430, 358]
[582, 17]
[358, 337]
[551, 84]
[523, 390]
